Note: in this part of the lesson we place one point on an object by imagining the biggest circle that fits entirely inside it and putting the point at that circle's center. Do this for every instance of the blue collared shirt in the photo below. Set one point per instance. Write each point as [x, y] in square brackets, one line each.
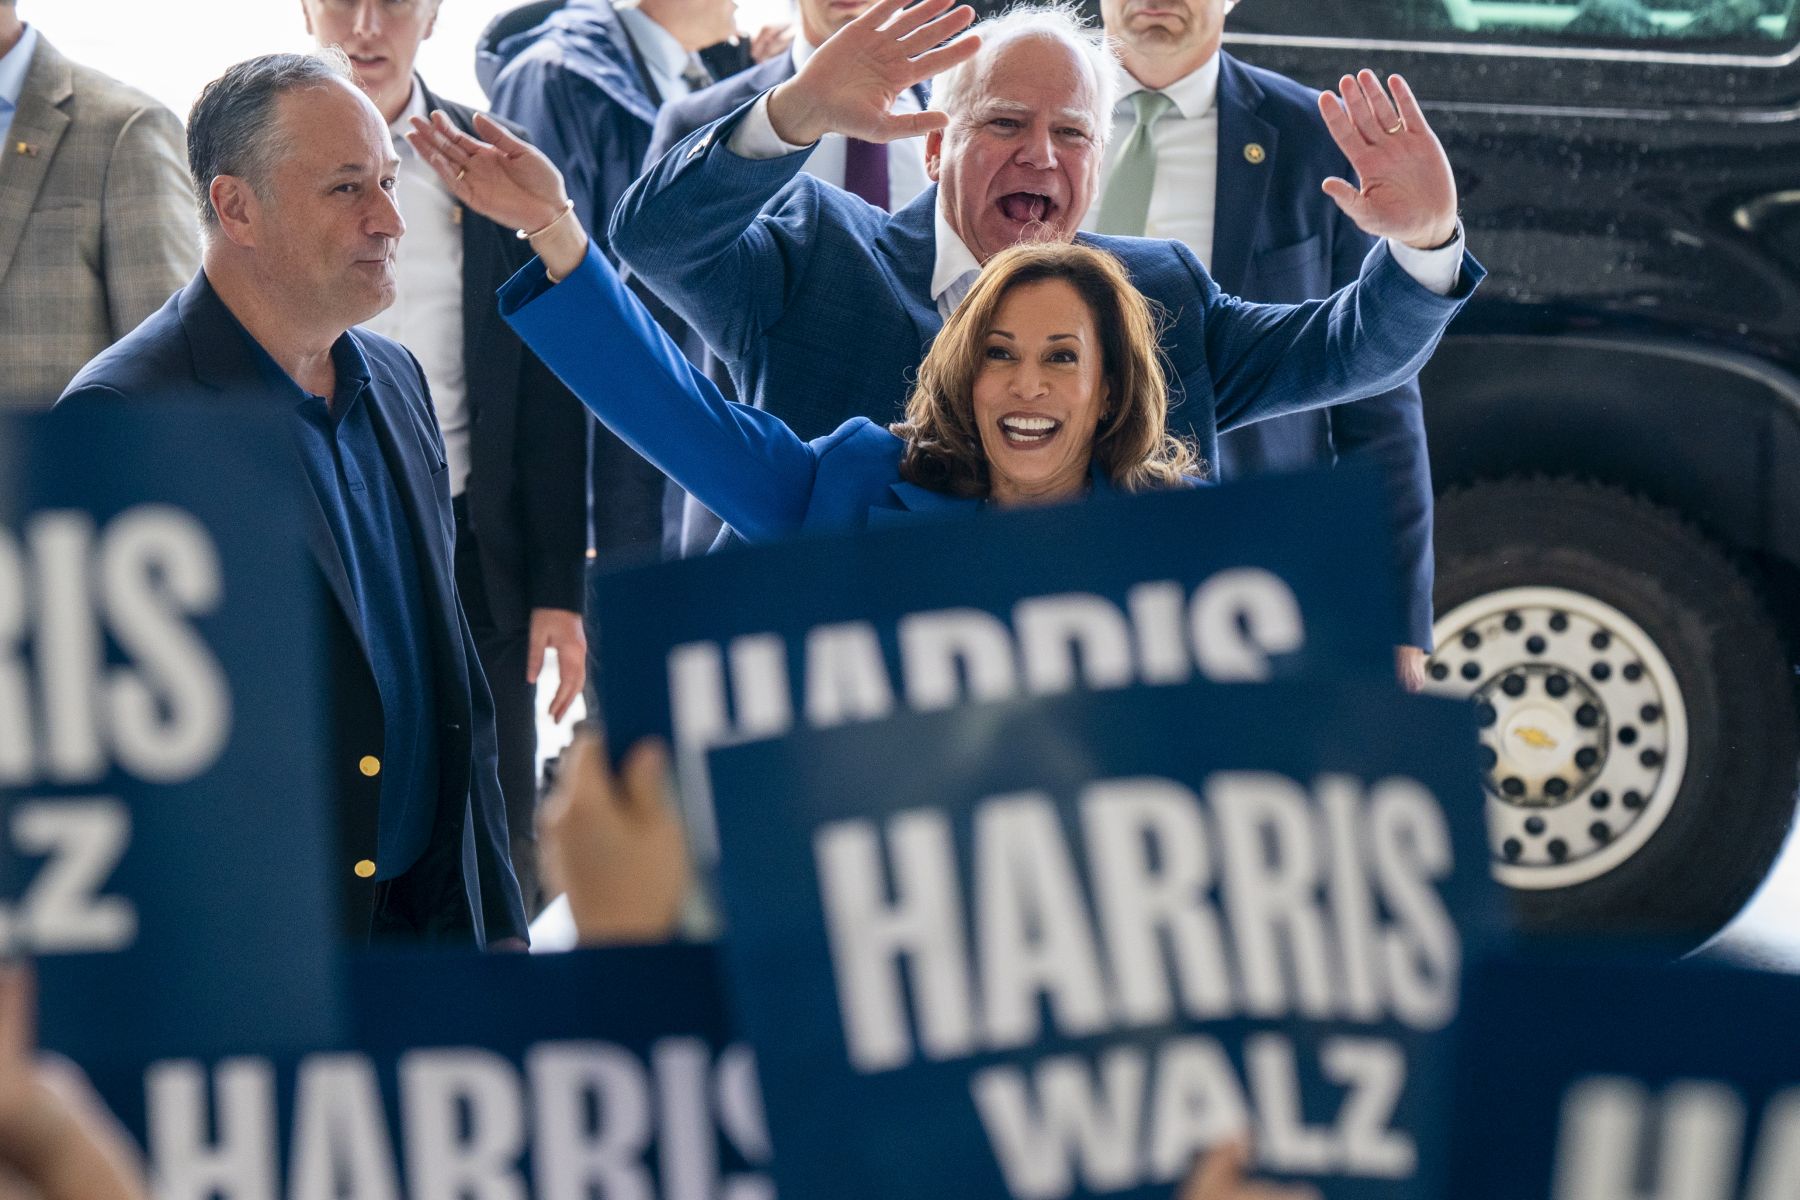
[13, 67]
[349, 473]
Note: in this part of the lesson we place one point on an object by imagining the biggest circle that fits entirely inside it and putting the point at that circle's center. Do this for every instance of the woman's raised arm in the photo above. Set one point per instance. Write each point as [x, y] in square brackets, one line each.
[577, 315]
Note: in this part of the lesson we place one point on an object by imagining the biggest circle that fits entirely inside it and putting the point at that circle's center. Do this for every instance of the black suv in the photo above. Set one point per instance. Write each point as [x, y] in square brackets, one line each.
[1614, 425]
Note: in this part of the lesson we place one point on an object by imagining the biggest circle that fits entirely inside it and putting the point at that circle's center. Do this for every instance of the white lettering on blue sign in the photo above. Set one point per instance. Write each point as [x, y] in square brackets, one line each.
[1227, 630]
[100, 663]
[1622, 1140]
[62, 909]
[592, 1117]
[1137, 1115]
[1264, 900]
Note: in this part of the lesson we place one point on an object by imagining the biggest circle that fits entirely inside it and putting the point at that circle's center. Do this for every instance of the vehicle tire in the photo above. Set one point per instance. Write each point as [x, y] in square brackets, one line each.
[1636, 704]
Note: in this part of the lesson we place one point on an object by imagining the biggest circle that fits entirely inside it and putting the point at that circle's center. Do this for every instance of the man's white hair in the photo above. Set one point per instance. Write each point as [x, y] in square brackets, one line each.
[953, 91]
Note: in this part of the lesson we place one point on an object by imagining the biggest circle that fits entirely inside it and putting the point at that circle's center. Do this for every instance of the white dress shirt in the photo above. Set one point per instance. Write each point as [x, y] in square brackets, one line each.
[1182, 201]
[14, 66]
[755, 137]
[669, 61]
[427, 313]
[1186, 141]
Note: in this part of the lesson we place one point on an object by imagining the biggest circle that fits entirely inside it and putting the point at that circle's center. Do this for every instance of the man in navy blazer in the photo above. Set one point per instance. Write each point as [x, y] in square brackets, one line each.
[1232, 171]
[823, 306]
[294, 171]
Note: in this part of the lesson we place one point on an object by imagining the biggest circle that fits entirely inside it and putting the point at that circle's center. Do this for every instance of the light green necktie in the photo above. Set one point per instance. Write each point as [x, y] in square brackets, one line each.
[1125, 209]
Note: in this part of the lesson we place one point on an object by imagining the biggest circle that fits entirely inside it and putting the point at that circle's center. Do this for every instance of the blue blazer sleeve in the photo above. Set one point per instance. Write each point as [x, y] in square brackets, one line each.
[693, 227]
[1389, 430]
[742, 463]
[1364, 339]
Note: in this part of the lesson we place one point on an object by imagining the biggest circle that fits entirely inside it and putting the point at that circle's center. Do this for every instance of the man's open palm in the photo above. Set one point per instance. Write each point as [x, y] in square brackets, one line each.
[1408, 192]
[850, 83]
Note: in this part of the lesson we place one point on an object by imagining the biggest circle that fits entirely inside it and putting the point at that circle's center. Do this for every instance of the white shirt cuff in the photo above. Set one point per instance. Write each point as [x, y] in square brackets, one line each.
[1435, 270]
[755, 136]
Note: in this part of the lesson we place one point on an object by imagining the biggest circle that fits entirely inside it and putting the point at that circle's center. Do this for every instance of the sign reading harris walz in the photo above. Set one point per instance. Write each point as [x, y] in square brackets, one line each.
[162, 798]
[1057, 947]
[1266, 579]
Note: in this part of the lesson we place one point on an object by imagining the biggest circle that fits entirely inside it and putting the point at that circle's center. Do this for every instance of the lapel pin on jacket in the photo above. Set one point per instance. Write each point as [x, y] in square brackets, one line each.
[29, 149]
[1254, 154]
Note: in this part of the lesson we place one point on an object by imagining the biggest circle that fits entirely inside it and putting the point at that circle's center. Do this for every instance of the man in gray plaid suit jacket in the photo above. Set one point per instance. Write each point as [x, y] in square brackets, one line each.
[97, 224]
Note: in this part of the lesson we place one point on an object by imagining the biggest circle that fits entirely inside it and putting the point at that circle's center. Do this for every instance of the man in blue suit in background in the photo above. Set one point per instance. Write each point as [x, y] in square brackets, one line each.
[587, 82]
[295, 174]
[823, 306]
[1227, 159]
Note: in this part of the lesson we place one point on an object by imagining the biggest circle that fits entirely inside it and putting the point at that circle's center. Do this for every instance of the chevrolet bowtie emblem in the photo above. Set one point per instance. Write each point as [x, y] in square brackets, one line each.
[1537, 739]
[26, 148]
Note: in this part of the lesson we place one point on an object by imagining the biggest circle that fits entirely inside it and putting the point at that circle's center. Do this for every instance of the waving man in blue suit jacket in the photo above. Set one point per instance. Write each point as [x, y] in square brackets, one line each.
[823, 305]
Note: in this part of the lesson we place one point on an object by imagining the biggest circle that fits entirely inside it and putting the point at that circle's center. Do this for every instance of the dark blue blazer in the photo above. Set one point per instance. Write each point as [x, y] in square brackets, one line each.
[461, 885]
[767, 481]
[1277, 238]
[821, 304]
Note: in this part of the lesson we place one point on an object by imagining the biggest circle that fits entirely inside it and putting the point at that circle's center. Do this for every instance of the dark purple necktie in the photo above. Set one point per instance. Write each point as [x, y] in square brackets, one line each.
[866, 171]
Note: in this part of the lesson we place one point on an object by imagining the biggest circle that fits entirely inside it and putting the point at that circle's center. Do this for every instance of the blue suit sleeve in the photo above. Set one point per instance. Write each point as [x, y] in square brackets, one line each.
[1370, 337]
[693, 227]
[1389, 430]
[742, 463]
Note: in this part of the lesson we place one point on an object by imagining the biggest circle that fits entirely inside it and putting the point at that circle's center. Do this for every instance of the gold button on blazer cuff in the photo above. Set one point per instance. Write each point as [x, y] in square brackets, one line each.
[369, 765]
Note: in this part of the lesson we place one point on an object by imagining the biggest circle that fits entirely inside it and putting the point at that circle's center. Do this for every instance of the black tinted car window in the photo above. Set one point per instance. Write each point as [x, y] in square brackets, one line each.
[1754, 26]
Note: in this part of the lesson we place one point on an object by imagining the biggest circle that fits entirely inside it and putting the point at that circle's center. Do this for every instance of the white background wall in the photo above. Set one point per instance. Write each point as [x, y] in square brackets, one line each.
[171, 48]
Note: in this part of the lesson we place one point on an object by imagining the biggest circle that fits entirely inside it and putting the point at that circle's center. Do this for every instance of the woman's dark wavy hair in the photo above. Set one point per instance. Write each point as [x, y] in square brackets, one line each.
[1132, 444]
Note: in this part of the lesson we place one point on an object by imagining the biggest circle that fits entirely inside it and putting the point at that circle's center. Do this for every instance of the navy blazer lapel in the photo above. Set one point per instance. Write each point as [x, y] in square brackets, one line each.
[1243, 185]
[908, 241]
[224, 361]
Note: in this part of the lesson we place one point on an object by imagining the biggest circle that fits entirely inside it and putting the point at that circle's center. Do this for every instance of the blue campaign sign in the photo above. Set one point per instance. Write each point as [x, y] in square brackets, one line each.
[1619, 1080]
[562, 1077]
[165, 818]
[1271, 578]
[1056, 947]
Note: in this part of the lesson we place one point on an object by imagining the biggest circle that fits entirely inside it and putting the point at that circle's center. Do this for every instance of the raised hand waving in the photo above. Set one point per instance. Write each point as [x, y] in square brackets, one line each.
[850, 83]
[1408, 192]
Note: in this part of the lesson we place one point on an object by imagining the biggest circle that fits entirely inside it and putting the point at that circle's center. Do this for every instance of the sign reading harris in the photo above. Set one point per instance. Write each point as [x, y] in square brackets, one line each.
[1267, 579]
[162, 796]
[1057, 947]
[560, 1077]
[1609, 1080]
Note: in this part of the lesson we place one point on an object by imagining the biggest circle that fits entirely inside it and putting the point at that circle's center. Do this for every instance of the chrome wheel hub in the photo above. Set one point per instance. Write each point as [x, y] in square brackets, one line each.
[1583, 729]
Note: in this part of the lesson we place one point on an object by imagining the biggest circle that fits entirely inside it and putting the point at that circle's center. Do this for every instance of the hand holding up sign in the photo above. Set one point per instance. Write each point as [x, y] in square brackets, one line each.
[56, 1140]
[615, 845]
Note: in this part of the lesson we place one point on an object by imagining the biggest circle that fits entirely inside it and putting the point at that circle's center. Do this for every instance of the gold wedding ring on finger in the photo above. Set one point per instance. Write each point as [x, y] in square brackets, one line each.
[1397, 126]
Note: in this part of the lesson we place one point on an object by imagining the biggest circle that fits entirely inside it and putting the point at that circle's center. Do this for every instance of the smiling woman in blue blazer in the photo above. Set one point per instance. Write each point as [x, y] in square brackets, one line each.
[1045, 383]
